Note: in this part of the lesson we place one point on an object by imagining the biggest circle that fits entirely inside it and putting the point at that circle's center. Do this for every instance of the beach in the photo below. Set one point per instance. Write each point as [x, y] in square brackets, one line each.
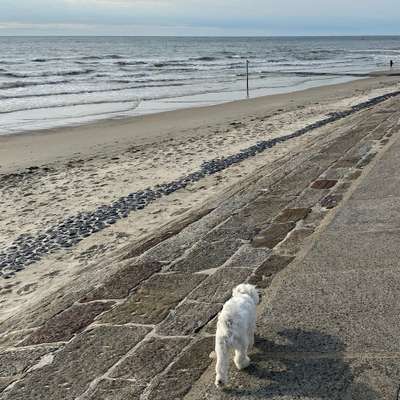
[48, 176]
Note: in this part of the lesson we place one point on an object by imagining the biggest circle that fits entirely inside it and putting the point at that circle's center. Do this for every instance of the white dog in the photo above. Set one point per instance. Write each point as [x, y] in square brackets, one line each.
[235, 330]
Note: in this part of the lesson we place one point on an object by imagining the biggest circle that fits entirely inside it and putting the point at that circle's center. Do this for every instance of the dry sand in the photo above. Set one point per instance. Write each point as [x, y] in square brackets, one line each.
[84, 167]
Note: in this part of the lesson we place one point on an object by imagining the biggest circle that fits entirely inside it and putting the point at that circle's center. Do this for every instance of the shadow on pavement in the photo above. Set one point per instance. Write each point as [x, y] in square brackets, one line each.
[296, 375]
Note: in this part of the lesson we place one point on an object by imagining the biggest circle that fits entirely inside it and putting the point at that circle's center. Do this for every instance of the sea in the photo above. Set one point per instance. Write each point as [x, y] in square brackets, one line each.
[50, 82]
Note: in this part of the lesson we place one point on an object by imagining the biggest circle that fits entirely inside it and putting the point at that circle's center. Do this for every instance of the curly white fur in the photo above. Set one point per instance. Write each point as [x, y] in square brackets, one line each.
[235, 330]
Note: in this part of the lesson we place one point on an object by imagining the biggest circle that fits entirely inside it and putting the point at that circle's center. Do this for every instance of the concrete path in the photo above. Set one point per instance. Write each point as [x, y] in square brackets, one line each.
[141, 325]
[330, 326]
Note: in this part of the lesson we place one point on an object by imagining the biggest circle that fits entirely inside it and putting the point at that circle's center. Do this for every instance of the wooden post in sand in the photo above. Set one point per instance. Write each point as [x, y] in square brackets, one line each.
[247, 78]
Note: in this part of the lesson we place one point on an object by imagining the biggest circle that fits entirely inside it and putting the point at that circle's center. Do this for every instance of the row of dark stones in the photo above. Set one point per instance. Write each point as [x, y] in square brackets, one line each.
[28, 249]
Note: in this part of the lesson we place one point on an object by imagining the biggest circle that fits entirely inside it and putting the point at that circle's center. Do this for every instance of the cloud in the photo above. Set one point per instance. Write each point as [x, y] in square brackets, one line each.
[213, 16]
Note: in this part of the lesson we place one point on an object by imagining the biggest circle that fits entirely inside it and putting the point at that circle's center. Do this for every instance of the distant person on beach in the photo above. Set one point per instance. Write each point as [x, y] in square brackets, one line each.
[391, 63]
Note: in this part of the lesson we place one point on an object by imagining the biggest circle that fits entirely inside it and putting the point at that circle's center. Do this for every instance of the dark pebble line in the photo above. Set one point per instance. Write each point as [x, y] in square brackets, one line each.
[28, 249]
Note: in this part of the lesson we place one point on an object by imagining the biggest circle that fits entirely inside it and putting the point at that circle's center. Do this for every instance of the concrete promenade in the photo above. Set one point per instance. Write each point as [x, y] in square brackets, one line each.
[329, 327]
[320, 235]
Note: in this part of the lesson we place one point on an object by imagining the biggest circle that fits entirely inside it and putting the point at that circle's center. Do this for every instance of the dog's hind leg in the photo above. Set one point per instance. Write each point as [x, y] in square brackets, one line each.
[222, 365]
[250, 334]
[251, 342]
[241, 359]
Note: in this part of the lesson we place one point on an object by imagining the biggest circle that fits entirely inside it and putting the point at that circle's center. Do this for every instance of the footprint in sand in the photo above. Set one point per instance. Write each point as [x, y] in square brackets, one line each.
[27, 289]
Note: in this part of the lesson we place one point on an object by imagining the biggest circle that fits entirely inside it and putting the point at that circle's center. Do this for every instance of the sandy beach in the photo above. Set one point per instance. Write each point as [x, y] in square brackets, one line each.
[48, 176]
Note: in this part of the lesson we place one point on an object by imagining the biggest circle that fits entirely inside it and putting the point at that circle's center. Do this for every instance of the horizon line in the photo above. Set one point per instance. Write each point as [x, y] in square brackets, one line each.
[207, 36]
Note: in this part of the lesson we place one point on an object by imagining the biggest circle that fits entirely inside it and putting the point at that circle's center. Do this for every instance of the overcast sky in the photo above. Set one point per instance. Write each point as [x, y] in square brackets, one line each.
[199, 17]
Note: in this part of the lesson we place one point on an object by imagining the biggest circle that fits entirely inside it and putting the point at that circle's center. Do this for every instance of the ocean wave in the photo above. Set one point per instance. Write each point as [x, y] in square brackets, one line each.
[21, 84]
[378, 52]
[130, 63]
[13, 62]
[139, 85]
[171, 63]
[306, 74]
[91, 58]
[127, 78]
[55, 103]
[106, 56]
[47, 73]
[204, 58]
[113, 56]
[278, 60]
[43, 59]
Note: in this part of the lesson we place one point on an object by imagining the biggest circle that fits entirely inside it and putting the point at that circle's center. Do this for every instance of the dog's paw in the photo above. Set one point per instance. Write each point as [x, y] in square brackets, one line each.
[243, 363]
[212, 355]
[219, 383]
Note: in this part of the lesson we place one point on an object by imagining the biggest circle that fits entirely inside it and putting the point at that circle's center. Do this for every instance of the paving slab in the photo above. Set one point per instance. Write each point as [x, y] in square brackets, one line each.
[315, 218]
[354, 175]
[83, 359]
[272, 235]
[292, 215]
[174, 246]
[207, 255]
[323, 184]
[188, 318]
[331, 201]
[346, 141]
[347, 162]
[294, 183]
[15, 362]
[343, 187]
[62, 327]
[335, 173]
[119, 285]
[366, 160]
[241, 227]
[11, 339]
[264, 274]
[149, 359]
[188, 368]
[309, 197]
[294, 242]
[260, 212]
[217, 288]
[151, 302]
[191, 224]
[229, 230]
[248, 257]
[116, 389]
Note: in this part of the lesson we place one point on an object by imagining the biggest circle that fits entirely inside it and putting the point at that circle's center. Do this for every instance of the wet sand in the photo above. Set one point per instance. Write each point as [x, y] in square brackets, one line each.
[113, 136]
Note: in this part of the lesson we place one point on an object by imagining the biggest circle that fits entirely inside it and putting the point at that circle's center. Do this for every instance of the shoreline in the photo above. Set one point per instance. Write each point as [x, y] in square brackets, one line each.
[21, 150]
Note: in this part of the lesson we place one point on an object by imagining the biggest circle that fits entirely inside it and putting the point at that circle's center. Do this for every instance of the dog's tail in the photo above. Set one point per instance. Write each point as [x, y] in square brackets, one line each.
[222, 356]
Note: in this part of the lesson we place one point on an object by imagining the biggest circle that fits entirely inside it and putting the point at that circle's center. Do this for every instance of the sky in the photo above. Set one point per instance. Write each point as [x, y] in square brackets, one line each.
[200, 17]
